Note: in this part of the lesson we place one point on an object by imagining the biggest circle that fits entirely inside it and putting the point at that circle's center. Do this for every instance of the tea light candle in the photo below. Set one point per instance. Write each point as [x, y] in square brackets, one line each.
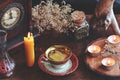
[114, 39]
[29, 48]
[108, 62]
[94, 49]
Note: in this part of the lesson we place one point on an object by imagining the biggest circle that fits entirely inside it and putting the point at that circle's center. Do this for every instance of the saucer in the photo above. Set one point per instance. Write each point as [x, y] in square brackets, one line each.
[70, 66]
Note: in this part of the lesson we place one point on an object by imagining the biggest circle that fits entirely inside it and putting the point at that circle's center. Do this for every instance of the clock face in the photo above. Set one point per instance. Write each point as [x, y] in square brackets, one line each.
[12, 16]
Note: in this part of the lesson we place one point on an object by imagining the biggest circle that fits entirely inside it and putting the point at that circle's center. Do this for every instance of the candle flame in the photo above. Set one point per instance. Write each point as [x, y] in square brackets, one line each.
[28, 35]
[94, 48]
[109, 62]
[114, 38]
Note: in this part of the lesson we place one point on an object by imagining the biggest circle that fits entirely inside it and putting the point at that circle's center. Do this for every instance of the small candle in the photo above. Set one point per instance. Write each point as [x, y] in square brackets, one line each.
[29, 48]
[114, 39]
[94, 49]
[108, 63]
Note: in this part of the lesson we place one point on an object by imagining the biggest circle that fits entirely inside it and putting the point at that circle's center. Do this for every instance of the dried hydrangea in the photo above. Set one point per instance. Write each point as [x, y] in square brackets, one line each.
[50, 15]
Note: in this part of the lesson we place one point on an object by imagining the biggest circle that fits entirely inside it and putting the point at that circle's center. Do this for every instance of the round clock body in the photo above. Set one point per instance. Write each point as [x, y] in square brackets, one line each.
[15, 18]
[12, 16]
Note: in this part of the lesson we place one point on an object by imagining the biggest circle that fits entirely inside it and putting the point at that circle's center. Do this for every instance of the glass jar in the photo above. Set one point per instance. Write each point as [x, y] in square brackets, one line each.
[80, 27]
[7, 64]
[81, 31]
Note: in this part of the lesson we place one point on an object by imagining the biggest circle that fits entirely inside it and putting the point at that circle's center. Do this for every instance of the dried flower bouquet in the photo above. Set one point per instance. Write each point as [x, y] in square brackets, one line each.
[50, 15]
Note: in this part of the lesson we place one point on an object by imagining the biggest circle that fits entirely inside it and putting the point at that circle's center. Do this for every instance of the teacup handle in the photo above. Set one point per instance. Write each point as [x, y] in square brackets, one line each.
[44, 60]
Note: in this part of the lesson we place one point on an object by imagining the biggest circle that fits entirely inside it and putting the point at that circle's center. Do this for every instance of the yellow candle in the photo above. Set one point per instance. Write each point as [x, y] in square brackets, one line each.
[29, 48]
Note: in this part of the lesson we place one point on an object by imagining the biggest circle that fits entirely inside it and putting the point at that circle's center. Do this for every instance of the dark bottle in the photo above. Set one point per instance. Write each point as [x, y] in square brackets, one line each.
[7, 64]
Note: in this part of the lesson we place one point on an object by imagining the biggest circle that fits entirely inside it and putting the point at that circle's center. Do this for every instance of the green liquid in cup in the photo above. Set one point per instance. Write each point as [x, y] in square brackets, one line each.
[57, 56]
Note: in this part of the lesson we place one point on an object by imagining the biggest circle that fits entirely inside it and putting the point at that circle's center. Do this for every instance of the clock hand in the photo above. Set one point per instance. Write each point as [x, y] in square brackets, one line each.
[11, 14]
[9, 19]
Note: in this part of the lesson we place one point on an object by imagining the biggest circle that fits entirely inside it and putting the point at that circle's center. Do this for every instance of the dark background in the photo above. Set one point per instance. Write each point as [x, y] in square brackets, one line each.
[88, 6]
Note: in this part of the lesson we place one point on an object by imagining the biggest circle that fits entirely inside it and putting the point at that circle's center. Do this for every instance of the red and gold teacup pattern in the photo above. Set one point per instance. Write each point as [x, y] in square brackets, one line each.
[57, 55]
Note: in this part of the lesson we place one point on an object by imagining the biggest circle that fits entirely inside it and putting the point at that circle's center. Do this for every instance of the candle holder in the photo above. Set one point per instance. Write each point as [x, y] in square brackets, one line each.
[7, 64]
[114, 39]
[108, 63]
[94, 50]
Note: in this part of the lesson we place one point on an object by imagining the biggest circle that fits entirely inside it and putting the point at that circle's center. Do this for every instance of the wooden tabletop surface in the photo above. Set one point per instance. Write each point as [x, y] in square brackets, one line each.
[22, 72]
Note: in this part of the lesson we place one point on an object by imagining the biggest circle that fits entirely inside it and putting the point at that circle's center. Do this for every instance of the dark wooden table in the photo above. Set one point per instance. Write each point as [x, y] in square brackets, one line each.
[22, 72]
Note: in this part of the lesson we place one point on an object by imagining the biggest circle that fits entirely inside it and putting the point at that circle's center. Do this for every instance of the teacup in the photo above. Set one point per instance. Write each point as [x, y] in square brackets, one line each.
[57, 55]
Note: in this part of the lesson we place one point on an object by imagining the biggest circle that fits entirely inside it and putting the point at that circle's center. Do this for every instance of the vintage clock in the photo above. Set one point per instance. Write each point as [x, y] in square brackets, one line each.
[15, 18]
